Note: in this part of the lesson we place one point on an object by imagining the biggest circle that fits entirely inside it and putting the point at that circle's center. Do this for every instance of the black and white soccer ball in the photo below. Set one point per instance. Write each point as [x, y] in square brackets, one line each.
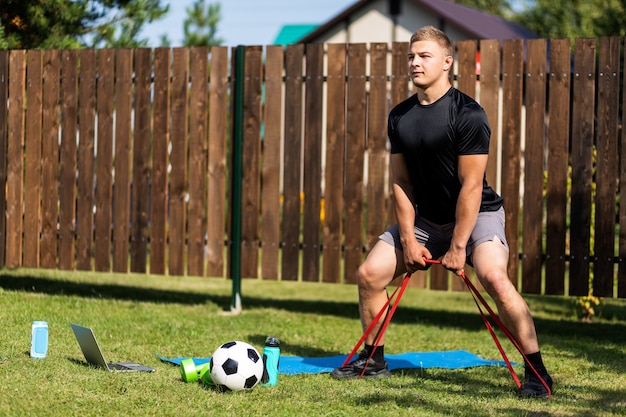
[236, 366]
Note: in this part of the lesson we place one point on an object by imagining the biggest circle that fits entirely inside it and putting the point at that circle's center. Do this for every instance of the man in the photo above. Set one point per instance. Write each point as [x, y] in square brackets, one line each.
[445, 208]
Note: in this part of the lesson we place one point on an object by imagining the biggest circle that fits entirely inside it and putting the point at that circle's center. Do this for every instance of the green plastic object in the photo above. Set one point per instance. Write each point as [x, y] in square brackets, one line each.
[205, 374]
[188, 370]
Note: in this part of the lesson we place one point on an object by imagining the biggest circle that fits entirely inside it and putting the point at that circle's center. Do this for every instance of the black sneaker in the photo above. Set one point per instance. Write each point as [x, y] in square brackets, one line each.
[355, 368]
[532, 386]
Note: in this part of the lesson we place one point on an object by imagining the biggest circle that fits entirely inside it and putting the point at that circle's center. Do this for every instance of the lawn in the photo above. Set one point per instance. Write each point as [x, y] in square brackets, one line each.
[137, 316]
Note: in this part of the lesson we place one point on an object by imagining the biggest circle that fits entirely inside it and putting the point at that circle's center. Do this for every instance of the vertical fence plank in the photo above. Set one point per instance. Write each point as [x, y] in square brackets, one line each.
[15, 158]
[489, 100]
[178, 178]
[606, 166]
[621, 271]
[292, 148]
[198, 154]
[270, 193]
[123, 145]
[218, 102]
[355, 147]
[558, 143]
[67, 174]
[4, 95]
[466, 77]
[532, 222]
[104, 103]
[251, 187]
[583, 119]
[377, 172]
[50, 158]
[335, 154]
[86, 160]
[512, 54]
[312, 161]
[141, 161]
[32, 159]
[160, 161]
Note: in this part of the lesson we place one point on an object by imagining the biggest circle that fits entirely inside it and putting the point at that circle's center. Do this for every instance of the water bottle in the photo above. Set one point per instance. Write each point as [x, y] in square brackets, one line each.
[271, 361]
[39, 340]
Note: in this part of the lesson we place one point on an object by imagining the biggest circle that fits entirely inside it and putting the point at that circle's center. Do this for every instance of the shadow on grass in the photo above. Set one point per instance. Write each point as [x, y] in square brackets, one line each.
[600, 341]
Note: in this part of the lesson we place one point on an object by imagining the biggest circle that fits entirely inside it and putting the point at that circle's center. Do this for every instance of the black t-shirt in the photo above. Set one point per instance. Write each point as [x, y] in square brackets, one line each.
[431, 138]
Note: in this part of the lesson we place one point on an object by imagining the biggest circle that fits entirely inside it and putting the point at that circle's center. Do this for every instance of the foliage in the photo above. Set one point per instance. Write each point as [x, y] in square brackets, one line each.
[200, 26]
[48, 24]
[587, 304]
[573, 18]
[497, 7]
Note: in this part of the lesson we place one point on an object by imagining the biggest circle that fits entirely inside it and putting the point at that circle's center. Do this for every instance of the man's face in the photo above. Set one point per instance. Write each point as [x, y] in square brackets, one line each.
[428, 63]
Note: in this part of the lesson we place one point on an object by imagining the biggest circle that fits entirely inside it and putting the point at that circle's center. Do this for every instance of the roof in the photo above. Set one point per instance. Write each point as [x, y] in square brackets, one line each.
[290, 34]
[477, 24]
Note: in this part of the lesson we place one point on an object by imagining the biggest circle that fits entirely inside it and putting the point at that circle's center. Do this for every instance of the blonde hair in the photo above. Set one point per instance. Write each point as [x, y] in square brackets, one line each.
[431, 33]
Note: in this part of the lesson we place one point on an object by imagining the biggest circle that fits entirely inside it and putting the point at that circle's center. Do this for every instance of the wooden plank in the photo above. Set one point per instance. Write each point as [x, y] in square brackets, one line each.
[15, 158]
[140, 200]
[377, 175]
[251, 186]
[32, 160]
[534, 162]
[607, 116]
[335, 154]
[583, 131]
[123, 149]
[489, 100]
[67, 156]
[355, 148]
[466, 77]
[104, 158]
[160, 160]
[512, 54]
[558, 152]
[294, 55]
[178, 176]
[50, 157]
[621, 272]
[198, 156]
[86, 160]
[313, 161]
[218, 106]
[4, 110]
[270, 193]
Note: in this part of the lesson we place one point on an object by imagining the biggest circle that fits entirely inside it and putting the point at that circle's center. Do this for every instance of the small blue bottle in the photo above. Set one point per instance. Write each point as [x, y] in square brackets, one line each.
[271, 361]
[39, 340]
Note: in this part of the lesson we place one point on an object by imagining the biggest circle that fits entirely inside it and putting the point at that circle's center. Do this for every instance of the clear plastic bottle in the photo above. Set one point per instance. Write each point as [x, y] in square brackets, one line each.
[39, 340]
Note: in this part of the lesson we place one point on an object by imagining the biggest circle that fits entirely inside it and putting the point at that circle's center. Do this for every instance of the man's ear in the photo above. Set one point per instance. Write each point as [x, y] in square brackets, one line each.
[447, 63]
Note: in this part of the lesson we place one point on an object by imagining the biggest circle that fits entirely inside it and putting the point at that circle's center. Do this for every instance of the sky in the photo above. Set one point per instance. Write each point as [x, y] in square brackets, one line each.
[247, 22]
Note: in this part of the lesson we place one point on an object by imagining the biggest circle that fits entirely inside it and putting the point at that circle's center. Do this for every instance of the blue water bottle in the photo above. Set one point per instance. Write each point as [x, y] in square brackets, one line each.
[39, 340]
[271, 361]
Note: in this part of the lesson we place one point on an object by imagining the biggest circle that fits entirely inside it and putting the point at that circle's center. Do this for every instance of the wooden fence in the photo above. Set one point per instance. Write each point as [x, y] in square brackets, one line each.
[118, 160]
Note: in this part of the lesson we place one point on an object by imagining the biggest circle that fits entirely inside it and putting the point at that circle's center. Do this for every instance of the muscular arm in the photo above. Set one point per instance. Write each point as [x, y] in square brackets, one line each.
[471, 172]
[414, 252]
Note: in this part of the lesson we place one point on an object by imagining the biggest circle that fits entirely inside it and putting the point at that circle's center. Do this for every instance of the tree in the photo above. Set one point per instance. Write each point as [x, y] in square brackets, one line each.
[200, 25]
[48, 24]
[500, 8]
[573, 18]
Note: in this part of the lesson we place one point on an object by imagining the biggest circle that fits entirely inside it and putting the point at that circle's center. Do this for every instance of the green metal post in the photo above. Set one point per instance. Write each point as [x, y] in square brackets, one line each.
[237, 147]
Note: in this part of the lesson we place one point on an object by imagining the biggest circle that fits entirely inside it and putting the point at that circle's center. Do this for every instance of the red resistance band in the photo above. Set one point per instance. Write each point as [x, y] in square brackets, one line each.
[477, 297]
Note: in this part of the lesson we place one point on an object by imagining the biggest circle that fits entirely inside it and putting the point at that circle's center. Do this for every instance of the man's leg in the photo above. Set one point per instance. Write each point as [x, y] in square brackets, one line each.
[382, 264]
[490, 264]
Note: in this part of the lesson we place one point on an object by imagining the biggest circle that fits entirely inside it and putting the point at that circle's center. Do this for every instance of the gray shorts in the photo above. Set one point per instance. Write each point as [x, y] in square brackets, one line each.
[437, 237]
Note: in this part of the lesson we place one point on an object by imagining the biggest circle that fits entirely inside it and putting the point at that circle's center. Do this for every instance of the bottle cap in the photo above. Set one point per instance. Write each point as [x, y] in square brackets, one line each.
[272, 341]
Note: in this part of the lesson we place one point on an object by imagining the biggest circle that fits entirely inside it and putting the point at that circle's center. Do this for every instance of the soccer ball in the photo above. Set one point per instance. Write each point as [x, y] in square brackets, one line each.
[236, 366]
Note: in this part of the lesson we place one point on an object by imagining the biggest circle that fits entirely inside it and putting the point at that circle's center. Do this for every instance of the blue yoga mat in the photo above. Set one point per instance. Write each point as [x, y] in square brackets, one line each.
[452, 359]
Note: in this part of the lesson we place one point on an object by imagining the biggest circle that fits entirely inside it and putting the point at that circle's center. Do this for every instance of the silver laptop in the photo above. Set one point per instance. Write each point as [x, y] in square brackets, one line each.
[93, 354]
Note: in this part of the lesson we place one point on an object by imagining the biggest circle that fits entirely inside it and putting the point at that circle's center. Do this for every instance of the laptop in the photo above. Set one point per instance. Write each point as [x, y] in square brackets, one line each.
[93, 354]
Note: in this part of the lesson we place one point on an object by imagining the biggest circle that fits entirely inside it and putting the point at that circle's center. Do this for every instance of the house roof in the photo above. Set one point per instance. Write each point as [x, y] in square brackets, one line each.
[290, 34]
[477, 24]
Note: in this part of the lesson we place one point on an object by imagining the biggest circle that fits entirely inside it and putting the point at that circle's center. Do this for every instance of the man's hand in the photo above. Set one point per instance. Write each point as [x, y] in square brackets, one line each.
[414, 257]
[454, 260]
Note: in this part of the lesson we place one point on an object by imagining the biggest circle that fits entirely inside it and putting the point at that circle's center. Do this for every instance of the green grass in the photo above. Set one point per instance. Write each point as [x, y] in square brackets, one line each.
[137, 316]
